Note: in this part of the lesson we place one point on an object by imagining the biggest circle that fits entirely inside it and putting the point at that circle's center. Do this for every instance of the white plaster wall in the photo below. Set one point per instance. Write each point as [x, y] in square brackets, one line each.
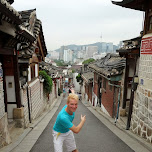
[131, 68]
[86, 97]
[11, 97]
[94, 99]
[128, 93]
[76, 84]
[29, 74]
[104, 110]
[10, 108]
[36, 70]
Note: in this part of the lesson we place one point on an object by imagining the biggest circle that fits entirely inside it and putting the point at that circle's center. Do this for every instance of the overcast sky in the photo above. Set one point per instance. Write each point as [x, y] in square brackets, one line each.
[67, 22]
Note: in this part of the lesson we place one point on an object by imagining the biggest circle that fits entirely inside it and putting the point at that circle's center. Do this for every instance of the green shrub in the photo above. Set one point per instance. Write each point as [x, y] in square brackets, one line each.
[47, 85]
[79, 78]
[88, 61]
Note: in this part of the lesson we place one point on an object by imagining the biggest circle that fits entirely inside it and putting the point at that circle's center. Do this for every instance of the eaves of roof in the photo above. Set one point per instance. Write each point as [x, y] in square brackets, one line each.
[88, 77]
[133, 4]
[26, 53]
[8, 13]
[131, 45]
[26, 33]
[43, 41]
[36, 30]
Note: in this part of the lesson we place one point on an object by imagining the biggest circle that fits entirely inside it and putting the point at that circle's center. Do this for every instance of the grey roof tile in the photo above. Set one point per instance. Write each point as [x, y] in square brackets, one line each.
[110, 65]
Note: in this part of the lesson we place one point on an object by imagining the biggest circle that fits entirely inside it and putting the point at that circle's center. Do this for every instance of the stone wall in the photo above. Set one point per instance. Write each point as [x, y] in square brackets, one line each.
[36, 100]
[4, 133]
[141, 123]
[25, 104]
[2, 107]
[37, 103]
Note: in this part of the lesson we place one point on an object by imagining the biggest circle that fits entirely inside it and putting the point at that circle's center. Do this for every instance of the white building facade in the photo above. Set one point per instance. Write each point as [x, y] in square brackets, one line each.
[91, 50]
[68, 55]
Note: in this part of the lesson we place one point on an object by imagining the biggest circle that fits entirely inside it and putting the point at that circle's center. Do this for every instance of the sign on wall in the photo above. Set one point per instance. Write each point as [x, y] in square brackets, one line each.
[146, 46]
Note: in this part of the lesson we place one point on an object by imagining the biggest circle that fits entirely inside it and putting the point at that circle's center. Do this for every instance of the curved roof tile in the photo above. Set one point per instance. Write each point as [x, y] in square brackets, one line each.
[9, 11]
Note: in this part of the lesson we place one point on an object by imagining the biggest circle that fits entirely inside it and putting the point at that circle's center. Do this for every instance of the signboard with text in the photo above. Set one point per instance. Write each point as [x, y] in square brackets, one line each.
[146, 46]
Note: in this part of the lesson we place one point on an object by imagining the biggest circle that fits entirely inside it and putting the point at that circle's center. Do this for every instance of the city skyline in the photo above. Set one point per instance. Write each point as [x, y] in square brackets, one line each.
[79, 22]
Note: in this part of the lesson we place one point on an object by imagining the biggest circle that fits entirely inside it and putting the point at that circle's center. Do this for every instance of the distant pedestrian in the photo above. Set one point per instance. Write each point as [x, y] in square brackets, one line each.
[70, 90]
[63, 128]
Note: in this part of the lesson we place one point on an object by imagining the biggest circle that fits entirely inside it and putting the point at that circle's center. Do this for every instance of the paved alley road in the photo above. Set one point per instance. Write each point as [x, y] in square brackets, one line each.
[94, 136]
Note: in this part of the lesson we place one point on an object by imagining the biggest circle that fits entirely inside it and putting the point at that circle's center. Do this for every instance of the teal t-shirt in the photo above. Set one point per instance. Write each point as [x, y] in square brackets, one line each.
[63, 121]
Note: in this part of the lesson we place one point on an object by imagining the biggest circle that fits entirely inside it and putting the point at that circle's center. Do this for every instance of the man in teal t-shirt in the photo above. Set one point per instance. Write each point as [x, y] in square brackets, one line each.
[63, 128]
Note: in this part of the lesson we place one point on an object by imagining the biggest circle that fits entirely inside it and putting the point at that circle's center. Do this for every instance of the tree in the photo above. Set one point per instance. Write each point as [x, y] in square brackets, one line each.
[47, 81]
[60, 63]
[79, 78]
[88, 61]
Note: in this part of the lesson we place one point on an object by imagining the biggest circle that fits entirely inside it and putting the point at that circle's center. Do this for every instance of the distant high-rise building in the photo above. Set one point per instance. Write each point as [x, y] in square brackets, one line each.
[54, 55]
[107, 47]
[90, 50]
[68, 55]
[120, 44]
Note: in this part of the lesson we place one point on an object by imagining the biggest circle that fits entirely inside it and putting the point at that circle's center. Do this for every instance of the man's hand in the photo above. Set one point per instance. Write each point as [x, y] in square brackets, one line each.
[83, 118]
[76, 129]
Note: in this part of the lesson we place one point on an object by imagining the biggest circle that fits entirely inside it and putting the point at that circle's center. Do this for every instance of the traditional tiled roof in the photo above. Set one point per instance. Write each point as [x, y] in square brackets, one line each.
[88, 77]
[8, 13]
[35, 28]
[130, 45]
[51, 69]
[110, 65]
[133, 4]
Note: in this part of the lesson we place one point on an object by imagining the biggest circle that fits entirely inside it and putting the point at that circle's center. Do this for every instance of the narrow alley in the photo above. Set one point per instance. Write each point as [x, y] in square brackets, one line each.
[94, 136]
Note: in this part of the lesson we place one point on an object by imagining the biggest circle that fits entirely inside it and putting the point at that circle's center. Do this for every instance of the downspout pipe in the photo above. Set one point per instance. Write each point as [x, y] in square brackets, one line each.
[118, 86]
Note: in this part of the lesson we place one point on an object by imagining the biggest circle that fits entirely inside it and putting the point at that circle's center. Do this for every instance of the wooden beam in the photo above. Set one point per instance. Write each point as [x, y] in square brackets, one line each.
[4, 51]
[8, 28]
[16, 78]
[41, 49]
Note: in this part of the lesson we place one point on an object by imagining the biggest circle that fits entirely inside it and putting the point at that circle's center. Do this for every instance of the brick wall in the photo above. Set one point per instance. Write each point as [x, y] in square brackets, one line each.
[90, 92]
[107, 99]
[95, 89]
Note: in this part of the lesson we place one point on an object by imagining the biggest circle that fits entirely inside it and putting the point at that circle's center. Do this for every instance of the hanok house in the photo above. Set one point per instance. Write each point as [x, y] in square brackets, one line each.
[29, 57]
[12, 33]
[88, 86]
[130, 51]
[107, 83]
[141, 122]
